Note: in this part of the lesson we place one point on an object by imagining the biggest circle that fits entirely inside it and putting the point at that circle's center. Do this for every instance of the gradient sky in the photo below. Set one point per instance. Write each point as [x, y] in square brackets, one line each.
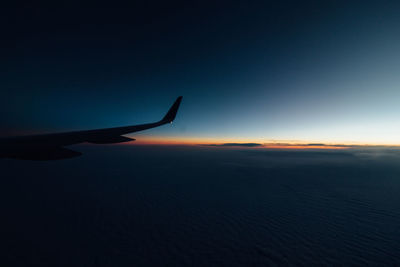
[299, 71]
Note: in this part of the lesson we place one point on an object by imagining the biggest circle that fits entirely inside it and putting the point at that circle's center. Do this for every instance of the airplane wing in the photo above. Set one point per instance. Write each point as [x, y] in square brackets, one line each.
[51, 146]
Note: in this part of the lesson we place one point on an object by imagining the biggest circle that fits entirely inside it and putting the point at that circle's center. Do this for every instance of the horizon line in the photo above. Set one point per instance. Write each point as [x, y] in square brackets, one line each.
[254, 143]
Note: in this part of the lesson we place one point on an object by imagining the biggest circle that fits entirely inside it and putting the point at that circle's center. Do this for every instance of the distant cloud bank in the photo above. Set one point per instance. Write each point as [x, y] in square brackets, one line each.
[310, 146]
[237, 145]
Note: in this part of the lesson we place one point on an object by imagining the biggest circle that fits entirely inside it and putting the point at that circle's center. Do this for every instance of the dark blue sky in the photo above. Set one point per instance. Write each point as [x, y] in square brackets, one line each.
[277, 70]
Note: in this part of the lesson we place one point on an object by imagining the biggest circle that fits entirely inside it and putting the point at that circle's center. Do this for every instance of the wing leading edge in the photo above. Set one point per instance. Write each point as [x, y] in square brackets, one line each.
[51, 146]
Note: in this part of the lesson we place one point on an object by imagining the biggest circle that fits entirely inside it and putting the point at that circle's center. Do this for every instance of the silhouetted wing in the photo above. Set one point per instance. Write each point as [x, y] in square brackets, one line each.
[53, 143]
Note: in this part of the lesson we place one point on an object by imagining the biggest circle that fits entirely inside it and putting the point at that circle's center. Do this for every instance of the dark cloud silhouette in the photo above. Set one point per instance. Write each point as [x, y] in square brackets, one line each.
[236, 145]
[310, 145]
[374, 149]
[316, 144]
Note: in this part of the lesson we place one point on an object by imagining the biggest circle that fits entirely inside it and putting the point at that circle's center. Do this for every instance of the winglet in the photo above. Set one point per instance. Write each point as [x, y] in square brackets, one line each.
[170, 116]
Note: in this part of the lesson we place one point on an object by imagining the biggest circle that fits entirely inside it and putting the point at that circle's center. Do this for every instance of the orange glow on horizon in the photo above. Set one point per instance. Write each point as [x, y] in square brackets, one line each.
[267, 144]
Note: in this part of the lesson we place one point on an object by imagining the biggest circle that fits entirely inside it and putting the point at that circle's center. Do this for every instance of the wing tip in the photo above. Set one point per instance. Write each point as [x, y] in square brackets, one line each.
[171, 114]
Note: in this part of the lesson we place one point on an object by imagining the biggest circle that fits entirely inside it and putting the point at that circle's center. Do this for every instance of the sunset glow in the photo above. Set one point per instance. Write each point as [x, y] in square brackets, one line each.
[262, 143]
